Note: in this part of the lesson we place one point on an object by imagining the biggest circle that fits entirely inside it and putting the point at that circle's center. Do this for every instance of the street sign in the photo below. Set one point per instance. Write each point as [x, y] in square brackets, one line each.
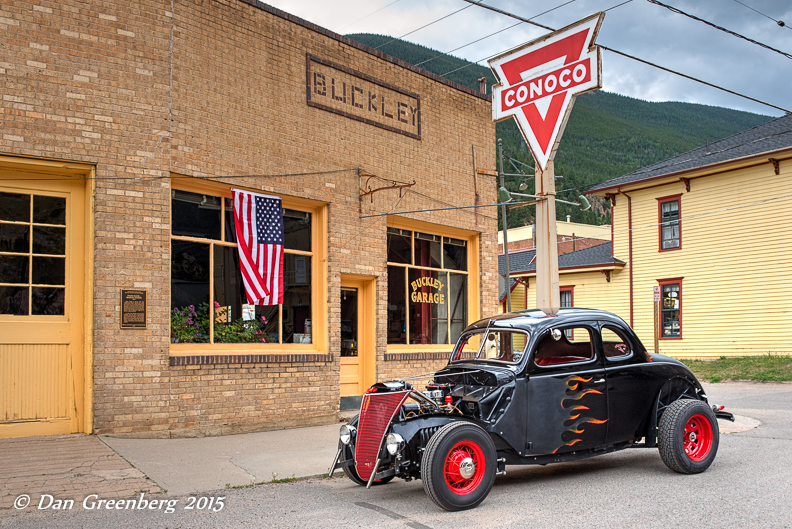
[538, 82]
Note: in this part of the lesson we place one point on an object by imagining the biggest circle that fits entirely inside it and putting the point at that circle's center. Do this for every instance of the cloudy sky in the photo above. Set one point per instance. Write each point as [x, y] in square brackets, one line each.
[639, 28]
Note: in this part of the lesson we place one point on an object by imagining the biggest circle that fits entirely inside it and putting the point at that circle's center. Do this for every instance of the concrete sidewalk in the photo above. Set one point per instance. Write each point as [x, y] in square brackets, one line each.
[182, 466]
[73, 466]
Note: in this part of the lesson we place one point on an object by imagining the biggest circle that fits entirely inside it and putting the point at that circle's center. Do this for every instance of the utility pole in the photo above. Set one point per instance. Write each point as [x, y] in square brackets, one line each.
[505, 227]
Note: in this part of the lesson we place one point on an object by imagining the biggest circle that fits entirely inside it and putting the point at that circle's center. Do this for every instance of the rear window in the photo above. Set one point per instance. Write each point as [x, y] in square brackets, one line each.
[496, 345]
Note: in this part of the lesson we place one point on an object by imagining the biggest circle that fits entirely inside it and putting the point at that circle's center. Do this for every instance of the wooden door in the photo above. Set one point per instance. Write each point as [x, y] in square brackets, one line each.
[42, 298]
[357, 335]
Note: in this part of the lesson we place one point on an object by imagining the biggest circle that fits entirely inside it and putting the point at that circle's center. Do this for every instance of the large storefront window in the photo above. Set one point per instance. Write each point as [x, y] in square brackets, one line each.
[208, 301]
[427, 287]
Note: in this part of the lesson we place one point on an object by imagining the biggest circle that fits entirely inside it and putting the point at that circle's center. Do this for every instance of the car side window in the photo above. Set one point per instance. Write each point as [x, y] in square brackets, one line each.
[614, 344]
[564, 345]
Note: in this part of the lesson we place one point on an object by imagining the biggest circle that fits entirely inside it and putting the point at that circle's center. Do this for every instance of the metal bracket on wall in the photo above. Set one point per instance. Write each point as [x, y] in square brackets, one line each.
[367, 190]
[776, 167]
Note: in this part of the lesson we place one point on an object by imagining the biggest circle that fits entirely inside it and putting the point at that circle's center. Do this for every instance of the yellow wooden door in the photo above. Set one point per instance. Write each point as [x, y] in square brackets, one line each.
[357, 335]
[42, 294]
[351, 372]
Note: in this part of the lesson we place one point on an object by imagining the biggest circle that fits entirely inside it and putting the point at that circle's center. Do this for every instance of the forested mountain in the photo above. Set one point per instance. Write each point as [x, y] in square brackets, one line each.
[608, 135]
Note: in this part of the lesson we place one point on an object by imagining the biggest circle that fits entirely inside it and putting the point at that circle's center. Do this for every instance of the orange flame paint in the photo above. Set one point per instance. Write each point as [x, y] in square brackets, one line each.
[570, 443]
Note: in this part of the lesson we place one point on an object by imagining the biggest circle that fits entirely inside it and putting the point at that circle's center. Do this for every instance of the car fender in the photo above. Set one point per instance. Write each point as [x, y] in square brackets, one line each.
[674, 387]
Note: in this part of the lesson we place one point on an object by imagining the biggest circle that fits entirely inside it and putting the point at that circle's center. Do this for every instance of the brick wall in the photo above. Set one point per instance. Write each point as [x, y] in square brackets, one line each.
[217, 88]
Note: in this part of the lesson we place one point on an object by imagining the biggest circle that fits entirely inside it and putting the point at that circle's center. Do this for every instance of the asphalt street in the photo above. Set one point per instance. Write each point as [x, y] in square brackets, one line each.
[748, 485]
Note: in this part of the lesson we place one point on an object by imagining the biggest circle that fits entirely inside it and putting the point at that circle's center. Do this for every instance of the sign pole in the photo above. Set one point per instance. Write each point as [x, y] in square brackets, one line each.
[548, 297]
[537, 84]
[656, 319]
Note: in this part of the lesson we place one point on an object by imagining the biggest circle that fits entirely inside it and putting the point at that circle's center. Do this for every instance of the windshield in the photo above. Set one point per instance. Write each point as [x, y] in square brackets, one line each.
[497, 345]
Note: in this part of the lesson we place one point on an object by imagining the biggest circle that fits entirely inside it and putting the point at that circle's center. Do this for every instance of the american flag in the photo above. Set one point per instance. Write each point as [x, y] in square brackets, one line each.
[259, 228]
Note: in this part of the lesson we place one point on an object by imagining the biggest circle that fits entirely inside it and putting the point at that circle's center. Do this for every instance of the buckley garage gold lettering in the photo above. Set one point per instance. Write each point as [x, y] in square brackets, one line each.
[427, 297]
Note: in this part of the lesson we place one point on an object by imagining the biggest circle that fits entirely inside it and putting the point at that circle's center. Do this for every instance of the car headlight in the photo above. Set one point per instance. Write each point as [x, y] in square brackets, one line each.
[394, 443]
[347, 433]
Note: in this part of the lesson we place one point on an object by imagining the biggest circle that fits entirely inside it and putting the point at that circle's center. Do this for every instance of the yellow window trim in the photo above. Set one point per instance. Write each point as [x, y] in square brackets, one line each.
[474, 297]
[318, 212]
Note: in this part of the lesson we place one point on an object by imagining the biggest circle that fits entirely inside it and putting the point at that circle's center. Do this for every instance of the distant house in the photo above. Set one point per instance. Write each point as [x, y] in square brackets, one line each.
[571, 236]
[584, 277]
[710, 228]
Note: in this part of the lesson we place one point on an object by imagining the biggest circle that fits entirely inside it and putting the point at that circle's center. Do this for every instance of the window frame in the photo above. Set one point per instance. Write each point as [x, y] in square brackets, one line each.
[619, 332]
[318, 256]
[456, 354]
[662, 283]
[593, 333]
[571, 290]
[660, 223]
[472, 272]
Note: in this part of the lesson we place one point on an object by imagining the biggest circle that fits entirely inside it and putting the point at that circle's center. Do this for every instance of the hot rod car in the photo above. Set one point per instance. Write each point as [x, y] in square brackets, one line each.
[529, 388]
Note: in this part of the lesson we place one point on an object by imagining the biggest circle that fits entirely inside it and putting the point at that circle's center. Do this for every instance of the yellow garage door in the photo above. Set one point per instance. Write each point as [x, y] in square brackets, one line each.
[42, 296]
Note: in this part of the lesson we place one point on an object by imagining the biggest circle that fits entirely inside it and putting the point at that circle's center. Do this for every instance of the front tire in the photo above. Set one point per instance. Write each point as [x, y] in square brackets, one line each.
[459, 466]
[688, 436]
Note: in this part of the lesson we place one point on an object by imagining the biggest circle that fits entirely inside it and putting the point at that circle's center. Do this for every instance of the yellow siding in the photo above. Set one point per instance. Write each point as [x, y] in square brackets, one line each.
[737, 286]
[592, 291]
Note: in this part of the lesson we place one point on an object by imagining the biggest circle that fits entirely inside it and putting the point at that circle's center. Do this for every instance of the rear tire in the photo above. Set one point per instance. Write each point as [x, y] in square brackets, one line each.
[459, 466]
[688, 436]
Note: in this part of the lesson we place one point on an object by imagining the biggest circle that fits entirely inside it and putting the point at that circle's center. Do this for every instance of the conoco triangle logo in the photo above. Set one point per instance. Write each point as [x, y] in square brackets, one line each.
[539, 80]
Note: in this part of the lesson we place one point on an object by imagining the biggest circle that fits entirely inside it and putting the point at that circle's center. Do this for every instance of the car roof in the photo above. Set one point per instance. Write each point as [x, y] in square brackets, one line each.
[534, 320]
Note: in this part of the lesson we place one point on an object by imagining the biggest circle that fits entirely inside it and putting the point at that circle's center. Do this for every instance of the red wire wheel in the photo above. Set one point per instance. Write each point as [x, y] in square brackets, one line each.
[688, 436]
[698, 437]
[464, 467]
[459, 465]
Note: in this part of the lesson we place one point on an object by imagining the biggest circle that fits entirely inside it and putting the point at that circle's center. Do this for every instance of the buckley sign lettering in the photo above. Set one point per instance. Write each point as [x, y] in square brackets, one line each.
[357, 96]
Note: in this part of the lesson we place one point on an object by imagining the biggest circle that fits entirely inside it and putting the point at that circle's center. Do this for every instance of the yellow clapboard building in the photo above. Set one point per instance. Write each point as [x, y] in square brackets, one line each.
[701, 227]
[708, 229]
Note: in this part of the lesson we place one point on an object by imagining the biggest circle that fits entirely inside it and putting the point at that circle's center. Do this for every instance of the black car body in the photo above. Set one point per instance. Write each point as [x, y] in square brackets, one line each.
[529, 388]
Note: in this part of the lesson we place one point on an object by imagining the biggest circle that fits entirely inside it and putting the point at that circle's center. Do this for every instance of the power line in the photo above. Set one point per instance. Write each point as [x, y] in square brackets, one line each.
[695, 79]
[512, 15]
[691, 217]
[779, 22]
[493, 34]
[686, 160]
[470, 43]
[429, 24]
[178, 177]
[730, 32]
[365, 17]
[529, 21]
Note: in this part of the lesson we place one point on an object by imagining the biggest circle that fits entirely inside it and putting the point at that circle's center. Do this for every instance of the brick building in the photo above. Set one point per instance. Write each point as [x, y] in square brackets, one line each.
[125, 127]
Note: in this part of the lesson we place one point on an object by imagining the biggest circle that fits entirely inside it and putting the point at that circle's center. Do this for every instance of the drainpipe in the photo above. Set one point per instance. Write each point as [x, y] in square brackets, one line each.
[630, 239]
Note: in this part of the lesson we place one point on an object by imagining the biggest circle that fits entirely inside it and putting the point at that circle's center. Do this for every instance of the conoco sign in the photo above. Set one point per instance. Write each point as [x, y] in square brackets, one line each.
[538, 82]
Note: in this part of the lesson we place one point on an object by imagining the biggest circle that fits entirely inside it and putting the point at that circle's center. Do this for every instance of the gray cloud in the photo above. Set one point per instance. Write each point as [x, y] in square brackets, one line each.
[638, 28]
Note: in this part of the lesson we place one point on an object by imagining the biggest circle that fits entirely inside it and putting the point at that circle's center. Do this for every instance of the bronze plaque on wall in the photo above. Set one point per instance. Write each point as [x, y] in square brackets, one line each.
[358, 96]
[133, 309]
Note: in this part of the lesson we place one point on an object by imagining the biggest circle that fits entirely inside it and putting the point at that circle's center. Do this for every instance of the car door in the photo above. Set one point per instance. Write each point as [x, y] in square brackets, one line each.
[631, 385]
[567, 403]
